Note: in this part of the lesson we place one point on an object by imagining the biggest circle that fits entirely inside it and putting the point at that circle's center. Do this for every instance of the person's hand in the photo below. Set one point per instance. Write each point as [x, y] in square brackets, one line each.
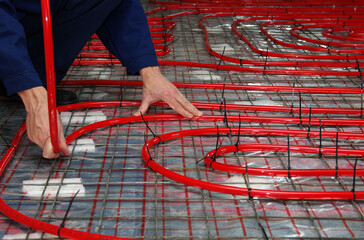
[37, 121]
[156, 87]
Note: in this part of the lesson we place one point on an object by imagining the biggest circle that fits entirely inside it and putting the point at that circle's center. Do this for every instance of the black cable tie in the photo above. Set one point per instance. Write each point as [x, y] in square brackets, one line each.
[347, 57]
[358, 67]
[198, 161]
[265, 61]
[175, 40]
[265, 235]
[154, 135]
[294, 84]
[249, 193]
[309, 124]
[216, 147]
[241, 62]
[354, 175]
[337, 155]
[111, 62]
[222, 55]
[65, 216]
[150, 155]
[300, 107]
[289, 158]
[247, 181]
[320, 145]
[222, 94]
[238, 140]
[225, 116]
[361, 100]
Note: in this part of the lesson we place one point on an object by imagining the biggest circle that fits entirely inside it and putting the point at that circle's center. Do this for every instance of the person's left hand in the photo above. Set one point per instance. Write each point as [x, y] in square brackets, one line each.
[156, 87]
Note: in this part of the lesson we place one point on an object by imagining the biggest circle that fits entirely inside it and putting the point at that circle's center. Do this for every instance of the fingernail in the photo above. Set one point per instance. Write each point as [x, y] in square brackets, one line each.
[200, 113]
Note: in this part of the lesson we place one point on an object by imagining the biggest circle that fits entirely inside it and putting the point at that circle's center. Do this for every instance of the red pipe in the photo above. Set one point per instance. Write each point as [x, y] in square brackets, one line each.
[50, 73]
[219, 86]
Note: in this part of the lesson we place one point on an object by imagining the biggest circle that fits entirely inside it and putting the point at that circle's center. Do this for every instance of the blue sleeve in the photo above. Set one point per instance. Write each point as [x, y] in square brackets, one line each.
[126, 34]
[16, 69]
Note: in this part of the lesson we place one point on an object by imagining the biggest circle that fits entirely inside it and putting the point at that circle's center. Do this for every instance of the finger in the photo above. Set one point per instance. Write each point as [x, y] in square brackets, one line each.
[189, 106]
[63, 146]
[179, 109]
[142, 109]
[48, 151]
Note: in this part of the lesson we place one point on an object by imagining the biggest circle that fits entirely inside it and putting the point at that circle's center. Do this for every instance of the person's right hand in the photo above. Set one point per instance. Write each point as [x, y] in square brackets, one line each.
[37, 122]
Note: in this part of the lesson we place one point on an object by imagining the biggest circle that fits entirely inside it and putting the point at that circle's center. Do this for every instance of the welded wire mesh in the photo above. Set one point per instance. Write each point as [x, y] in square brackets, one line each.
[121, 196]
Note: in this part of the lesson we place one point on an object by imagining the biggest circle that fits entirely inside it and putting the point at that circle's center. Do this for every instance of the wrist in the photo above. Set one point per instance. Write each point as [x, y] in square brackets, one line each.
[149, 71]
[33, 97]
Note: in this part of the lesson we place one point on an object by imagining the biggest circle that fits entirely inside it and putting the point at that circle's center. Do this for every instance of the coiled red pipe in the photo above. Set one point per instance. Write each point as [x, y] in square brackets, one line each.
[291, 195]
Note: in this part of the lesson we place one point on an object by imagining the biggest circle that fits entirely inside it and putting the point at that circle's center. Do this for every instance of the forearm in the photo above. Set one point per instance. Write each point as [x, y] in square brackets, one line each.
[33, 98]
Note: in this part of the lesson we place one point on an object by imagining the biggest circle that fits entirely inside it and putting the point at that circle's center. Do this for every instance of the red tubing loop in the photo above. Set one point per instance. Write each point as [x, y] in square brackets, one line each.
[328, 43]
[272, 54]
[329, 34]
[287, 55]
[310, 48]
[271, 194]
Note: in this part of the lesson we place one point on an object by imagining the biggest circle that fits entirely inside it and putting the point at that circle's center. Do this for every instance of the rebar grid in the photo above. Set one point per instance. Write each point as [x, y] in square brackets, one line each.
[125, 198]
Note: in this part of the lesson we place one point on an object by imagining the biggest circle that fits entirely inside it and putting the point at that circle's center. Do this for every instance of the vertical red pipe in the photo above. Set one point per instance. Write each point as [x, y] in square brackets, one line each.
[50, 73]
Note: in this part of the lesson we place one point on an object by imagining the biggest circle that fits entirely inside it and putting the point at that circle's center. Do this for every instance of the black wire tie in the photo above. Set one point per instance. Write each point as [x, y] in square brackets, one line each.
[65, 216]
[222, 55]
[150, 155]
[247, 182]
[300, 106]
[294, 84]
[354, 175]
[320, 145]
[358, 66]
[238, 140]
[146, 124]
[216, 147]
[222, 94]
